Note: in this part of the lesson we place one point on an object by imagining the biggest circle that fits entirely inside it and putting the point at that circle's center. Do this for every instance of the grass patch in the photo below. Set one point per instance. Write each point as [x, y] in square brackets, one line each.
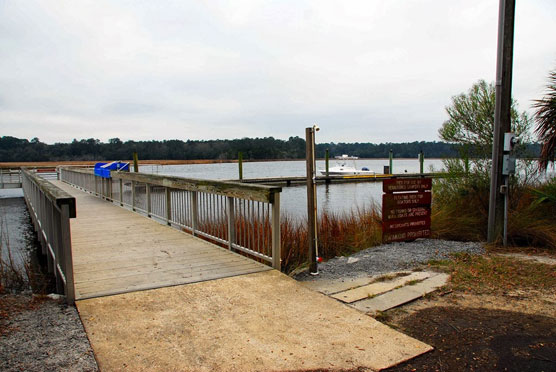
[338, 235]
[493, 274]
[413, 282]
[460, 211]
[389, 277]
[383, 316]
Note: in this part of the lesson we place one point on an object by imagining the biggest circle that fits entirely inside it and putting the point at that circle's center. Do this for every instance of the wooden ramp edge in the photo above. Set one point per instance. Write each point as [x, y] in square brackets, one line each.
[118, 251]
[260, 322]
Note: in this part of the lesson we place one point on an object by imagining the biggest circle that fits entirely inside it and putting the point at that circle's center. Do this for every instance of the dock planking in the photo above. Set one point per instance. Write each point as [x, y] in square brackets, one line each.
[118, 251]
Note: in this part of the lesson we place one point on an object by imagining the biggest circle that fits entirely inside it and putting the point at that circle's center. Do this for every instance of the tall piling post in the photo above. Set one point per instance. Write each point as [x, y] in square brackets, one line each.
[391, 161]
[135, 162]
[240, 164]
[327, 162]
[311, 198]
[421, 162]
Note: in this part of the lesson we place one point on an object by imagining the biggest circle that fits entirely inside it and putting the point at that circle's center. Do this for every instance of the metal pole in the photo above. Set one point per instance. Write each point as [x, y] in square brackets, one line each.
[502, 117]
[421, 162]
[311, 200]
[506, 201]
[391, 156]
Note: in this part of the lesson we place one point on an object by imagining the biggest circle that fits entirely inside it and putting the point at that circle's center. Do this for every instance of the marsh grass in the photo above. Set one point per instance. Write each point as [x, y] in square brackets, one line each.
[339, 234]
[460, 211]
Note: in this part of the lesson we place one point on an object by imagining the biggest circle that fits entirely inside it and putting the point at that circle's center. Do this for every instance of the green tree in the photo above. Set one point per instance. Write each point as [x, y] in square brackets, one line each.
[545, 117]
[471, 120]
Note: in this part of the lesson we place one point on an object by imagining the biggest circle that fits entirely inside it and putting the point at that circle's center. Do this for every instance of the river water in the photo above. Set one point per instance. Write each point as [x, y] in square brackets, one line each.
[336, 198]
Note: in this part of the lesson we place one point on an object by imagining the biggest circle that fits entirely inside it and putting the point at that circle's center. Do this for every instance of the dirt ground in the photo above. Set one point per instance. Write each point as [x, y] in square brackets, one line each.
[41, 334]
[515, 331]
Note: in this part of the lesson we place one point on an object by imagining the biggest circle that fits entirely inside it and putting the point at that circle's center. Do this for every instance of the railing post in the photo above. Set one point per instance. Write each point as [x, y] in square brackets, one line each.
[231, 222]
[149, 207]
[67, 255]
[110, 189]
[168, 205]
[275, 226]
[133, 195]
[121, 192]
[194, 211]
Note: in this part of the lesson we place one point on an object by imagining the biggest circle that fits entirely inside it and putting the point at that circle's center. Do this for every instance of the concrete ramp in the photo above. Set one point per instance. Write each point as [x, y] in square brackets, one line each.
[258, 322]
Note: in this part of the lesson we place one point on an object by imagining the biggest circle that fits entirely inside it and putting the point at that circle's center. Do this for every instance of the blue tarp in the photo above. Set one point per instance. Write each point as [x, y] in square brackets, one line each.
[103, 169]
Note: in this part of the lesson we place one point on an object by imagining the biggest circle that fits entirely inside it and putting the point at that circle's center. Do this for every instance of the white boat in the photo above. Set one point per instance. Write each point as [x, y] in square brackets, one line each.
[346, 157]
[343, 169]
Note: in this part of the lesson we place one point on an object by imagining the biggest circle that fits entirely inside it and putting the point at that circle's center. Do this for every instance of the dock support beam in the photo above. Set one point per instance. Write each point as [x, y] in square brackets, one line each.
[311, 199]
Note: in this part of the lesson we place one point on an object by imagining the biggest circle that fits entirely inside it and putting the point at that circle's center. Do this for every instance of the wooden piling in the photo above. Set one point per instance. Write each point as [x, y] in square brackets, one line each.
[240, 164]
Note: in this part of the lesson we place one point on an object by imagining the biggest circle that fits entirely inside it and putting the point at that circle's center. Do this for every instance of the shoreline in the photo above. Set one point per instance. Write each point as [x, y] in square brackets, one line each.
[165, 162]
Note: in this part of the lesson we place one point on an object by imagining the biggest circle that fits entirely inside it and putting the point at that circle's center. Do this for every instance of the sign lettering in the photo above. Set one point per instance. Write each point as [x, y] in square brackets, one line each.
[406, 184]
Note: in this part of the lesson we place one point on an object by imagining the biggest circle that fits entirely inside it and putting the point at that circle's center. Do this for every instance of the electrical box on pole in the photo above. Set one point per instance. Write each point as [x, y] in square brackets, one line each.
[508, 158]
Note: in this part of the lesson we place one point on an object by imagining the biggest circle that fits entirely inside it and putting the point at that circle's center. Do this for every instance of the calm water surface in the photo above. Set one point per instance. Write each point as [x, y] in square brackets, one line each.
[337, 198]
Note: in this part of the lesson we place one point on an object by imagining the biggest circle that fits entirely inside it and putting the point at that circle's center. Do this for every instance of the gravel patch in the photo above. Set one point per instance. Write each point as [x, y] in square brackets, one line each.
[390, 257]
[48, 336]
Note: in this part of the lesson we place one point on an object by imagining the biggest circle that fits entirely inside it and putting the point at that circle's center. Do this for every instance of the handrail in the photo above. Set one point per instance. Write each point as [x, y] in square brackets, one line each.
[262, 193]
[242, 217]
[50, 209]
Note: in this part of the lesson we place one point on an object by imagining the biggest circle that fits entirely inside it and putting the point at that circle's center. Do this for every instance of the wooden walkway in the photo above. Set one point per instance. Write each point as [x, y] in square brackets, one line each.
[117, 251]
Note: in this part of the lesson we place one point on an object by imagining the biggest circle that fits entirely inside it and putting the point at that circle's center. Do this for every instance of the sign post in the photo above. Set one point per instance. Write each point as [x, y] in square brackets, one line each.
[406, 209]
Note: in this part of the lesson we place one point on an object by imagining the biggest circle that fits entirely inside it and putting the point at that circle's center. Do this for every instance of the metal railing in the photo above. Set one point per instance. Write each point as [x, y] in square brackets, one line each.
[244, 218]
[51, 209]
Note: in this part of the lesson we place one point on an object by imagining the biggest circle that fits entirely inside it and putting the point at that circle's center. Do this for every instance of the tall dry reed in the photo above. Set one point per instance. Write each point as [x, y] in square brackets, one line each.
[338, 234]
[460, 211]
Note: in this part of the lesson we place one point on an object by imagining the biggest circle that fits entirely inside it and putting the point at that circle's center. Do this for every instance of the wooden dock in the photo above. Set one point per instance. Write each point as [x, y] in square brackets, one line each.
[118, 251]
[297, 181]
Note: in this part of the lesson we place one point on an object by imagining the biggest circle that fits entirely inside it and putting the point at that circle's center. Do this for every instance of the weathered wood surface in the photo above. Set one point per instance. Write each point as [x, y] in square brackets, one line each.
[118, 251]
[55, 194]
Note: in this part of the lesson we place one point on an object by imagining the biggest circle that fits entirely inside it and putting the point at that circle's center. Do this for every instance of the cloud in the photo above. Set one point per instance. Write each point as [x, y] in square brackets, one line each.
[364, 70]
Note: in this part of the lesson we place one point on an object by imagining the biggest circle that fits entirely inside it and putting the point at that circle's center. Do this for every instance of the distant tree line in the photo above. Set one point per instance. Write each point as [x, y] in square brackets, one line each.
[16, 149]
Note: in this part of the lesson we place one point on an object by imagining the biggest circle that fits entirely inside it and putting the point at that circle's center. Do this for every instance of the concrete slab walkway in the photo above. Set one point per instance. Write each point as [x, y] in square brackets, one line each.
[258, 322]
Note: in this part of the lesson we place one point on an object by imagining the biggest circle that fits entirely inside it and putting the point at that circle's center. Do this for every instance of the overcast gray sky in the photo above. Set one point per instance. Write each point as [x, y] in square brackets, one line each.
[365, 71]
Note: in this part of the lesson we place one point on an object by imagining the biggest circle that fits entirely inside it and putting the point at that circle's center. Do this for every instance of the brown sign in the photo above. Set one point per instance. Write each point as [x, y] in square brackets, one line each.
[409, 212]
[406, 184]
[400, 236]
[406, 224]
[406, 209]
[406, 199]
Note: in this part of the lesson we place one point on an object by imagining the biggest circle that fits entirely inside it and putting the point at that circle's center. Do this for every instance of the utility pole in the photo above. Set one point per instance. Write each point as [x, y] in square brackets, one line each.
[502, 117]
[311, 199]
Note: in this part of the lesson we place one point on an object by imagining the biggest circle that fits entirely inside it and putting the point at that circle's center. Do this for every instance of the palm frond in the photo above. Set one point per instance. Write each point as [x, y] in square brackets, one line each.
[545, 118]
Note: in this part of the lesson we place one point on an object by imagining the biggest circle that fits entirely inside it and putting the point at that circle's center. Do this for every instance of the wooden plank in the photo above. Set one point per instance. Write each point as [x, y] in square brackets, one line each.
[155, 279]
[169, 283]
[163, 266]
[374, 289]
[402, 295]
[116, 251]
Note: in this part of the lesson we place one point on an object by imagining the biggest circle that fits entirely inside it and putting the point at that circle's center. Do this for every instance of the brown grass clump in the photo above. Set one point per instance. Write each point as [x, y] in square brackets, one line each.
[338, 234]
[461, 213]
[494, 274]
